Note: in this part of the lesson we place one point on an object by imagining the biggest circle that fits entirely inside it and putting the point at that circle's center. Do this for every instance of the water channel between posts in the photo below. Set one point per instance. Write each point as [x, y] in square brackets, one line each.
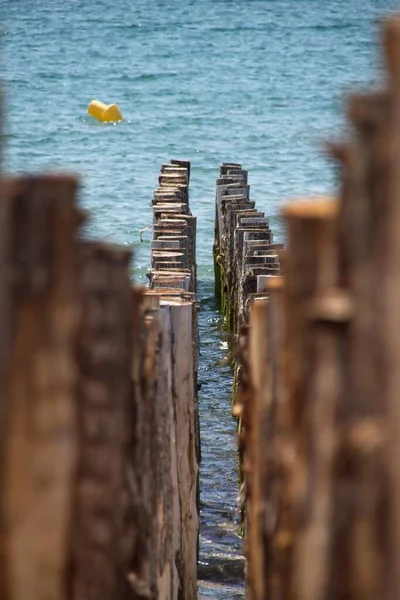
[221, 559]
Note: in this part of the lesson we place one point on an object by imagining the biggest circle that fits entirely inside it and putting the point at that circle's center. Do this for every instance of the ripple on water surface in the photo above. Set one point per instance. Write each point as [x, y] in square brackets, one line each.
[221, 558]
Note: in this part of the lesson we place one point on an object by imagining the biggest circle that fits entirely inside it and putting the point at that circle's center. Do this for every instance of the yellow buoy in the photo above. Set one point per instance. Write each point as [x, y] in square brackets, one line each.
[104, 113]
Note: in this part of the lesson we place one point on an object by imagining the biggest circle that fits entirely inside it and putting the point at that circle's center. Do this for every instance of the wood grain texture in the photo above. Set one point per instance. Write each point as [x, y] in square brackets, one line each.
[39, 298]
[98, 566]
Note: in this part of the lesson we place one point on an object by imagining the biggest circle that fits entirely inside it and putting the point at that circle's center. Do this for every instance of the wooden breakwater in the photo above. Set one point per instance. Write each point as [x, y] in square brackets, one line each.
[320, 408]
[98, 466]
[173, 273]
[245, 259]
[173, 248]
[173, 285]
[244, 253]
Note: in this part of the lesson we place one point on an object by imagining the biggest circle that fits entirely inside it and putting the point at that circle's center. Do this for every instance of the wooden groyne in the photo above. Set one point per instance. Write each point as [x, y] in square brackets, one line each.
[245, 259]
[173, 248]
[98, 406]
[320, 408]
[173, 284]
[244, 253]
[173, 273]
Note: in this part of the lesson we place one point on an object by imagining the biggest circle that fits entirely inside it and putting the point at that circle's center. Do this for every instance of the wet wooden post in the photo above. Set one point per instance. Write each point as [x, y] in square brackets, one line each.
[182, 522]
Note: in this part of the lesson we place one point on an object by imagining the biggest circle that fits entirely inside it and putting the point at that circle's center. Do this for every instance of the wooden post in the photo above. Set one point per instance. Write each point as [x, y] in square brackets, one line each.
[184, 394]
[99, 565]
[391, 281]
[141, 532]
[368, 540]
[235, 215]
[39, 308]
[256, 454]
[173, 278]
[310, 269]
[168, 512]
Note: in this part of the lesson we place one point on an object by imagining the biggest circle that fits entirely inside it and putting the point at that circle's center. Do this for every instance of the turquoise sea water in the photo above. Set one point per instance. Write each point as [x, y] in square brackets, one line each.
[255, 81]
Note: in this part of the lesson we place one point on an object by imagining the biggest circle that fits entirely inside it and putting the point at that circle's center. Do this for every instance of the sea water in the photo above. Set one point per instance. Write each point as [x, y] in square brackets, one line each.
[261, 82]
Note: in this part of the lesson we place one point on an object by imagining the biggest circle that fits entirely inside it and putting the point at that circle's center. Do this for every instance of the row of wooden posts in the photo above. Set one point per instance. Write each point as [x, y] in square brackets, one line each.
[244, 253]
[173, 284]
[245, 260]
[319, 392]
[98, 402]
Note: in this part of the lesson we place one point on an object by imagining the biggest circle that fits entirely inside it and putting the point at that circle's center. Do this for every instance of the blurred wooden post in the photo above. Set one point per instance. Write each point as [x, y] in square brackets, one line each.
[366, 518]
[39, 307]
[357, 563]
[310, 269]
[390, 181]
[265, 425]
[99, 562]
[368, 539]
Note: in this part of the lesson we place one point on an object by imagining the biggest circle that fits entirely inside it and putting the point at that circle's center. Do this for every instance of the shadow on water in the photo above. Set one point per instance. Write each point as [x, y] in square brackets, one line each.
[221, 563]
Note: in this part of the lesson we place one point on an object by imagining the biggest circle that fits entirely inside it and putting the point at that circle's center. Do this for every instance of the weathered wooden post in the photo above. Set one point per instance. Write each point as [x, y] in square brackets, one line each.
[265, 424]
[367, 525]
[390, 274]
[173, 280]
[313, 378]
[237, 264]
[255, 463]
[39, 312]
[100, 545]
